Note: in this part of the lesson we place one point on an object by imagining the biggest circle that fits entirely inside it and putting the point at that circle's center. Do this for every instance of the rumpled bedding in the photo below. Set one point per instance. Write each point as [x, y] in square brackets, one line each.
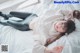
[17, 41]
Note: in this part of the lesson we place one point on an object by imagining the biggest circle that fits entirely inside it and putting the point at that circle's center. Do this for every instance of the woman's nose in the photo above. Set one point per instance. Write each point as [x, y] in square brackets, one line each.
[63, 26]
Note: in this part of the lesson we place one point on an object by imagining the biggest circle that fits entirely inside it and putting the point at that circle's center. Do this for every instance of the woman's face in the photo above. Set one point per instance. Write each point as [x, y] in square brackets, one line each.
[60, 26]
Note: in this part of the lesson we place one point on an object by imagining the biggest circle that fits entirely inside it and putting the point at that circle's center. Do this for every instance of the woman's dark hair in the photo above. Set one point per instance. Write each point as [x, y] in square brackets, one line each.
[70, 26]
[76, 15]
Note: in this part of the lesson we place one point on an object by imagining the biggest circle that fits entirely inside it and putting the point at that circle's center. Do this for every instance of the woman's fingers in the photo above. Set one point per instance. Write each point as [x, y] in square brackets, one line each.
[57, 49]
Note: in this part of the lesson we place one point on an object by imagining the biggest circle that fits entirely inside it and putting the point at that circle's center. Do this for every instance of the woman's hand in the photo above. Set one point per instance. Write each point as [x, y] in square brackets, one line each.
[57, 49]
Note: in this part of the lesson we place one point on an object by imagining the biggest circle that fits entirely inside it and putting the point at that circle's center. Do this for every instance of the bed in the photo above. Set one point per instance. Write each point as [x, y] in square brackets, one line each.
[22, 42]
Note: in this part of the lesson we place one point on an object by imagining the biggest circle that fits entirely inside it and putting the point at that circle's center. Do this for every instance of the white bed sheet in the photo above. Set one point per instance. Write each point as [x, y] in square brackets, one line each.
[17, 41]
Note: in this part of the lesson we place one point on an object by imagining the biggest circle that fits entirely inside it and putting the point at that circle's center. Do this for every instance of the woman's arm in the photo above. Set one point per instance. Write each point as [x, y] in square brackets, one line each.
[68, 14]
[65, 12]
[39, 48]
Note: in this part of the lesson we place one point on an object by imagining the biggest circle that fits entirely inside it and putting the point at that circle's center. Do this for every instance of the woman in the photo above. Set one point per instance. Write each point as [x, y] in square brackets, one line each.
[23, 24]
[49, 30]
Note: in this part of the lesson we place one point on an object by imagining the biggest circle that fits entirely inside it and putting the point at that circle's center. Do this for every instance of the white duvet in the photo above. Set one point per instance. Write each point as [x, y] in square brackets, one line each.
[17, 41]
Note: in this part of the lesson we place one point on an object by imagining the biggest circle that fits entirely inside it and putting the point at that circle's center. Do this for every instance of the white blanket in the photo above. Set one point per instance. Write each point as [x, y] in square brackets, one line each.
[17, 41]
